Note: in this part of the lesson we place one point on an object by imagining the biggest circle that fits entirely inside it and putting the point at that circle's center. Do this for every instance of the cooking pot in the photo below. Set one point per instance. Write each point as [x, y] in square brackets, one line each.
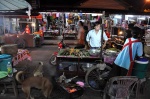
[111, 52]
[94, 52]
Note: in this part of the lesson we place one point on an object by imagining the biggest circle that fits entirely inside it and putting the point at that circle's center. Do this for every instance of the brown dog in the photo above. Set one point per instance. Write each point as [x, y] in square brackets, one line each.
[37, 82]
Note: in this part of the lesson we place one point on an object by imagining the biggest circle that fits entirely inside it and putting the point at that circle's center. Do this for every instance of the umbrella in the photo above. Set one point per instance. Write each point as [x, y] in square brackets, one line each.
[11, 5]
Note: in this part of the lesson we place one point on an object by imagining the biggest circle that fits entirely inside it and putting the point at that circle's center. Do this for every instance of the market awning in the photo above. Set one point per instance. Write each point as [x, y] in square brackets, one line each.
[103, 4]
[11, 5]
[74, 5]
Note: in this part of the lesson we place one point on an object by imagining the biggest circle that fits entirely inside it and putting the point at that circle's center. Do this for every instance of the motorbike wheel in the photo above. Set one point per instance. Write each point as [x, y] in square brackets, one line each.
[52, 60]
[96, 78]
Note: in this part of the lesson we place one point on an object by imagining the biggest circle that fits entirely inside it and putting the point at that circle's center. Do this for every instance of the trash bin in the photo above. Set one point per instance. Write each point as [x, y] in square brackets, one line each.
[140, 67]
[4, 59]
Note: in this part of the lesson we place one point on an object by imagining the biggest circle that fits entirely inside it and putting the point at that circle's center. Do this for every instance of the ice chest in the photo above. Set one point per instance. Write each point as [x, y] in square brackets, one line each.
[4, 59]
[140, 68]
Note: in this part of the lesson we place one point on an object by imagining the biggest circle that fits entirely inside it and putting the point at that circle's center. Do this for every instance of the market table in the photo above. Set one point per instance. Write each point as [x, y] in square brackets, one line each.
[52, 32]
[65, 34]
[75, 65]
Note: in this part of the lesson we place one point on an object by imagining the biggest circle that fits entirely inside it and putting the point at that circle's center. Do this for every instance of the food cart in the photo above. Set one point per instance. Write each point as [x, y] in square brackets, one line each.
[80, 62]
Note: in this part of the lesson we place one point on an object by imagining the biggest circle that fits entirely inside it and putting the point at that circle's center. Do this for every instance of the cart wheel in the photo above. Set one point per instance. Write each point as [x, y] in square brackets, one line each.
[52, 60]
[21, 43]
[96, 78]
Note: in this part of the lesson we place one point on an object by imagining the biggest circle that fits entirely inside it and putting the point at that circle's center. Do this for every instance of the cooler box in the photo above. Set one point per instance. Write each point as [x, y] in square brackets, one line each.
[140, 68]
[4, 59]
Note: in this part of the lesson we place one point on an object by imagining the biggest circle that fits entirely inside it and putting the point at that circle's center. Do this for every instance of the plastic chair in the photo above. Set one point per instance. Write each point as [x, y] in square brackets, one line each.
[120, 87]
[9, 81]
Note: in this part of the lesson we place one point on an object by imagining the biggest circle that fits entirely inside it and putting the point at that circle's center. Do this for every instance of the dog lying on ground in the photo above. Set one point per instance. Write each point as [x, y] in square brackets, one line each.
[39, 70]
[37, 82]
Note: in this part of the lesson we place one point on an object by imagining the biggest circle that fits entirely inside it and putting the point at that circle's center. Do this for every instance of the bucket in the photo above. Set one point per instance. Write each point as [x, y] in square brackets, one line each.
[140, 68]
[4, 59]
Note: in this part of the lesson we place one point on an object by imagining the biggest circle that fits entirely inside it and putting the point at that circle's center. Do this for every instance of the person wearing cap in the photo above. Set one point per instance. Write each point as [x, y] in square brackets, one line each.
[124, 61]
[94, 37]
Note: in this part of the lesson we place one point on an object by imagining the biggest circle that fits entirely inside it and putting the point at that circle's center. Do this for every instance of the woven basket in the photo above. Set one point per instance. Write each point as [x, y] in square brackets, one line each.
[147, 50]
[11, 49]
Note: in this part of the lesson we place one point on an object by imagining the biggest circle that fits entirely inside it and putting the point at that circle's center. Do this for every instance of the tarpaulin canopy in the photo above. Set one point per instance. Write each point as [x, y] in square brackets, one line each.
[11, 5]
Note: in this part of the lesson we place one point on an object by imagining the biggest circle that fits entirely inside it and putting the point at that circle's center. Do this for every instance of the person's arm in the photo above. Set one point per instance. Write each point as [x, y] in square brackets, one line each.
[88, 38]
[105, 39]
[104, 45]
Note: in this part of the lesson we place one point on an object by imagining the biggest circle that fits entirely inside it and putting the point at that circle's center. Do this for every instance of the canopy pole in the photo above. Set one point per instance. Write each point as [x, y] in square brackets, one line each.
[102, 27]
[4, 24]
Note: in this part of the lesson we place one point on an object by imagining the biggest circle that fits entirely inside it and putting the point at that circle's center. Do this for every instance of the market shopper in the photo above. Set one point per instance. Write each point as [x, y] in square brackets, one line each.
[80, 37]
[80, 29]
[124, 61]
[27, 29]
[94, 37]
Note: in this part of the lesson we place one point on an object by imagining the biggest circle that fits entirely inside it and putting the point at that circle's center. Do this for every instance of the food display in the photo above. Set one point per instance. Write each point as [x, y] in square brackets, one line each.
[110, 55]
[69, 31]
[74, 52]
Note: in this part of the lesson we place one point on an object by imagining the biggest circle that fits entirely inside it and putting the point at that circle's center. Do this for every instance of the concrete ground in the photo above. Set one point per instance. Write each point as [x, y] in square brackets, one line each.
[43, 54]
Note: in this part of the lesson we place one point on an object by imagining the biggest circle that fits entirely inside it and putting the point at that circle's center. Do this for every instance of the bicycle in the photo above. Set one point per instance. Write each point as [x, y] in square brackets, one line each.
[97, 76]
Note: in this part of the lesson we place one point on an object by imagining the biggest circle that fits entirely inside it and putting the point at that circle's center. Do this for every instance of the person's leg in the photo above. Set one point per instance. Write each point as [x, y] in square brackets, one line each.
[115, 71]
[123, 71]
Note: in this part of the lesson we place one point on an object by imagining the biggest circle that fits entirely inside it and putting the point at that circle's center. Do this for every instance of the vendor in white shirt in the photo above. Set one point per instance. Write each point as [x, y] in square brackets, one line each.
[94, 37]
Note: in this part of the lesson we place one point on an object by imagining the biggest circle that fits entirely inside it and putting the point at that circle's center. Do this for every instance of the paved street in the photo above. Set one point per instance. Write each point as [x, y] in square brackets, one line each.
[43, 54]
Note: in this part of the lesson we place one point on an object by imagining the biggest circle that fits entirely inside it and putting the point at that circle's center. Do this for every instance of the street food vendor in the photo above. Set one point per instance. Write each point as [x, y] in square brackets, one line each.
[94, 37]
[132, 48]
[27, 29]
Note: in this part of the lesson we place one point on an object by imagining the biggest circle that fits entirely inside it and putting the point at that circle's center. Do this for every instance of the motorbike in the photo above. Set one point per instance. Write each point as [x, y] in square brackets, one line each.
[61, 45]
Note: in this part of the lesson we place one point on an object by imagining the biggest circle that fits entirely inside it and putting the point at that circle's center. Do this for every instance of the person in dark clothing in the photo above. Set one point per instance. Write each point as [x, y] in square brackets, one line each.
[128, 32]
[48, 21]
[124, 59]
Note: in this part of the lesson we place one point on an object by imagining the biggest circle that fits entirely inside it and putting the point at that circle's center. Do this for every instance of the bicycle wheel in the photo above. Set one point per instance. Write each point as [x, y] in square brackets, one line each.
[52, 60]
[96, 78]
[21, 43]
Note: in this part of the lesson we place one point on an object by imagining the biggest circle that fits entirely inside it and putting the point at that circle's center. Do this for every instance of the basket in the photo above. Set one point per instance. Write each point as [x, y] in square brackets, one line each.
[109, 59]
[11, 49]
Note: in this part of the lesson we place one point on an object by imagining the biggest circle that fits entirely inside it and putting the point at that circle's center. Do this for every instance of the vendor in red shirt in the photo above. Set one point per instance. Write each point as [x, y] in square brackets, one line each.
[27, 29]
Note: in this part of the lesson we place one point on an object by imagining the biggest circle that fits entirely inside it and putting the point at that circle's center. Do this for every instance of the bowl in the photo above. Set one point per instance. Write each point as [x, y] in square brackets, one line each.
[94, 52]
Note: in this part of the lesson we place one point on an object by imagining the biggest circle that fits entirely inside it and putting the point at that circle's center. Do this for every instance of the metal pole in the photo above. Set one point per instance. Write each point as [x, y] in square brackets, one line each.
[4, 24]
[102, 27]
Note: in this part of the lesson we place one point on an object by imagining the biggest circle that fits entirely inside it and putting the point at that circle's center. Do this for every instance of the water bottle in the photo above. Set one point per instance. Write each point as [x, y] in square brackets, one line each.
[9, 69]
